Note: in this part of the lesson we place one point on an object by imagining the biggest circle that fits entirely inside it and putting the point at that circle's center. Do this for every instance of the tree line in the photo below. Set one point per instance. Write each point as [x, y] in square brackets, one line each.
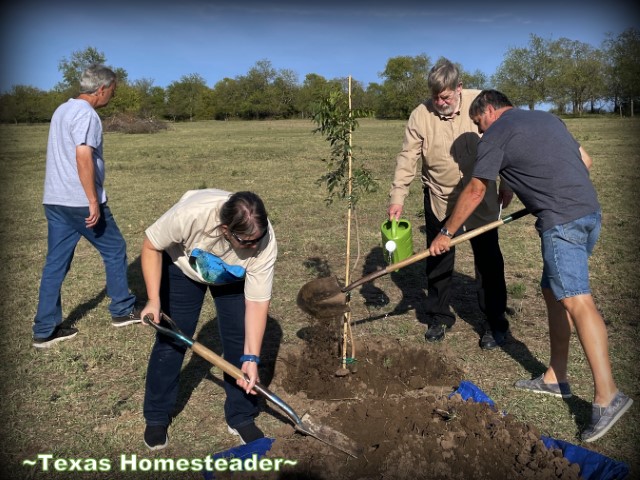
[573, 76]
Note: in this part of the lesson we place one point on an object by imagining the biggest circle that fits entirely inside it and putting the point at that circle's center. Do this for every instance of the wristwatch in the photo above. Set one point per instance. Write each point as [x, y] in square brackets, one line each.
[446, 232]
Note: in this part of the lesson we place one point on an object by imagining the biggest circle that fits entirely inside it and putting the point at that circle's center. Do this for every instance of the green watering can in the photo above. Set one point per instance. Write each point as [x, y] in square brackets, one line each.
[396, 240]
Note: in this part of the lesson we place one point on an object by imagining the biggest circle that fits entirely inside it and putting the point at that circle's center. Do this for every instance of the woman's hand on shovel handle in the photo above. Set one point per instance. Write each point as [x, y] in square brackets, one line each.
[151, 311]
[250, 370]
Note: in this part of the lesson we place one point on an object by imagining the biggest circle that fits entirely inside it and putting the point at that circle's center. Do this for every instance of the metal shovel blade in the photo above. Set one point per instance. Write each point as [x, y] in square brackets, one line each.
[328, 435]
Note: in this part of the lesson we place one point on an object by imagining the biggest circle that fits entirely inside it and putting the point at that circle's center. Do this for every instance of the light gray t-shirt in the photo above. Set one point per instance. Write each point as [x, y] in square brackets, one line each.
[73, 123]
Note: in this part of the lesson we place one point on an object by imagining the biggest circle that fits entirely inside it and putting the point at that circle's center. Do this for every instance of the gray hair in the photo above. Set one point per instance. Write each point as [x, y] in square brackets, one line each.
[444, 75]
[96, 76]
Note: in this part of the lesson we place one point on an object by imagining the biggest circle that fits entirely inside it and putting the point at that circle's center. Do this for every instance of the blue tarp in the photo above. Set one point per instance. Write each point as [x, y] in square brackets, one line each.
[593, 466]
[258, 447]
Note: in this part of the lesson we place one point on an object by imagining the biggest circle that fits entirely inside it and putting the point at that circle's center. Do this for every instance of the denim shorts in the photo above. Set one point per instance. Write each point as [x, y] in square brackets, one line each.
[565, 254]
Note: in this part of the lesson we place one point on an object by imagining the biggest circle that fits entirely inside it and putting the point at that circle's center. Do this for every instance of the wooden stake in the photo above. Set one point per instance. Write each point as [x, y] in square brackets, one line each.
[347, 315]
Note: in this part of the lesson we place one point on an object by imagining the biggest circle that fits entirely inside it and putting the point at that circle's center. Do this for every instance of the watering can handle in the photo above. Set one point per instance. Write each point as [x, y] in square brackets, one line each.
[394, 228]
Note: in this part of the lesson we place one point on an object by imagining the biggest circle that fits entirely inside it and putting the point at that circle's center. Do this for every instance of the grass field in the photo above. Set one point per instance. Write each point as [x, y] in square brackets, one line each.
[83, 398]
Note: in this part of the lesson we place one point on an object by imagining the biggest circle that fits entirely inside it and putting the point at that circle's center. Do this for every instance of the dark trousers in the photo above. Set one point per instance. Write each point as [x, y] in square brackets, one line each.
[181, 299]
[489, 271]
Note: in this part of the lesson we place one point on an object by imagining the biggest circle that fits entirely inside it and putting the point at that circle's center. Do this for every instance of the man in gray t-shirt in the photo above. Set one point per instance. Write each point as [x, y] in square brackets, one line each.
[542, 162]
[549, 171]
[75, 205]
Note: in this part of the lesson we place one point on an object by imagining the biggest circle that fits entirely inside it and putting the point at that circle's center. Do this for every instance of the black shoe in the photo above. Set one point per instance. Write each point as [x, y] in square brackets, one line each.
[436, 333]
[491, 340]
[156, 437]
[59, 334]
[133, 317]
[247, 433]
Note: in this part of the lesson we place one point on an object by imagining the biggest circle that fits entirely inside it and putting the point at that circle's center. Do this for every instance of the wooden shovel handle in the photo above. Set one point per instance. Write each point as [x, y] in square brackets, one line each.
[217, 360]
[232, 370]
[424, 254]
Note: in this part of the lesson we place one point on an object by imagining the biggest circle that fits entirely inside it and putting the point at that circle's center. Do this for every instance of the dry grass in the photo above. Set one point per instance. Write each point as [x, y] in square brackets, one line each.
[83, 398]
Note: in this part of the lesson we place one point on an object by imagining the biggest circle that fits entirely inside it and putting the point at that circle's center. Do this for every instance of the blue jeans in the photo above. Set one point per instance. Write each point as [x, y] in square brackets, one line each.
[181, 299]
[565, 253]
[65, 226]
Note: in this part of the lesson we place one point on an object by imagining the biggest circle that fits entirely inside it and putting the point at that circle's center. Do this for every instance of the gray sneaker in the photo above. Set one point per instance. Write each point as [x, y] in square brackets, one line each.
[537, 385]
[603, 418]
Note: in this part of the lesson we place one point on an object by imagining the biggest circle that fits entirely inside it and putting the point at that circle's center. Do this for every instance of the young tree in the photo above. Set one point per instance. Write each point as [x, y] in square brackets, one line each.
[337, 122]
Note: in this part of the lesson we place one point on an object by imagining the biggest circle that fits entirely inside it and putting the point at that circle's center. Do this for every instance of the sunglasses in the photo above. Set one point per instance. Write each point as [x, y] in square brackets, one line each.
[249, 242]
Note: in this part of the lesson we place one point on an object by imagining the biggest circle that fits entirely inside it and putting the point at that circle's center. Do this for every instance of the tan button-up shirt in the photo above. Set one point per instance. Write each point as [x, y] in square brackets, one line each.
[447, 148]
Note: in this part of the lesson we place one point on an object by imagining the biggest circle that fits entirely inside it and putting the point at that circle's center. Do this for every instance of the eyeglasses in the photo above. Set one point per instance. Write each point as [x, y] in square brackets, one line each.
[249, 242]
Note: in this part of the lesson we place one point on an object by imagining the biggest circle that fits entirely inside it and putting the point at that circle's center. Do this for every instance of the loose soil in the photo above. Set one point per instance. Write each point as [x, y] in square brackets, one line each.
[398, 404]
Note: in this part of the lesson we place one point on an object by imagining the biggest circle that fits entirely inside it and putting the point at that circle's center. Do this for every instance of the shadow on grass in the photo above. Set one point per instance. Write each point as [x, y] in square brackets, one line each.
[199, 369]
[136, 281]
[81, 310]
[136, 285]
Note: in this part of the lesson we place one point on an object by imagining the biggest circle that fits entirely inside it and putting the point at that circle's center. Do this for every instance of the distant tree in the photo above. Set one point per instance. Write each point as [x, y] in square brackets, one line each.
[524, 73]
[314, 90]
[358, 94]
[374, 98]
[186, 98]
[226, 97]
[623, 68]
[26, 104]
[127, 100]
[578, 77]
[404, 86]
[150, 99]
[263, 92]
[476, 80]
[255, 97]
[283, 92]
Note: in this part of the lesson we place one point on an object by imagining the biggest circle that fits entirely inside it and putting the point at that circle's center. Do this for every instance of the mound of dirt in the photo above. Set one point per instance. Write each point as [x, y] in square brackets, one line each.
[397, 405]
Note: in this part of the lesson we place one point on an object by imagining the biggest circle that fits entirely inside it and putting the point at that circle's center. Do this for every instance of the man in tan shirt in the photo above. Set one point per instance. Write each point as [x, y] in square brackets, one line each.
[441, 136]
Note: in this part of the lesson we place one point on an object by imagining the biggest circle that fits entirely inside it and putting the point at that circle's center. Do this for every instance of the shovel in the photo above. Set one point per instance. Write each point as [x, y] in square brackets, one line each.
[325, 298]
[304, 425]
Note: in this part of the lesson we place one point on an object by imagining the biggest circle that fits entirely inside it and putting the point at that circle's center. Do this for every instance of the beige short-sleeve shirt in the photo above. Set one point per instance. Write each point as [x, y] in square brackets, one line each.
[190, 224]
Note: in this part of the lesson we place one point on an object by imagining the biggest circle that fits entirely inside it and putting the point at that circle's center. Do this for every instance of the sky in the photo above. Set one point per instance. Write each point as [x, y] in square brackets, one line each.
[165, 40]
